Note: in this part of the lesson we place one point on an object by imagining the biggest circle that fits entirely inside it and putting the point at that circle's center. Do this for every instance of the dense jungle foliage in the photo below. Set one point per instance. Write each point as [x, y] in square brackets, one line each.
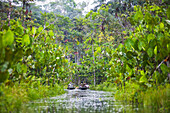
[120, 45]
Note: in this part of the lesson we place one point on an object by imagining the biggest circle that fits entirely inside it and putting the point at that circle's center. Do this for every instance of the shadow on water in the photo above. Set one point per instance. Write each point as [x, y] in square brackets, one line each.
[83, 101]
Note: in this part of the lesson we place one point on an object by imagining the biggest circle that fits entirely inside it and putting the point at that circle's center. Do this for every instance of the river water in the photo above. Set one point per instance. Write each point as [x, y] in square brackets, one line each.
[83, 101]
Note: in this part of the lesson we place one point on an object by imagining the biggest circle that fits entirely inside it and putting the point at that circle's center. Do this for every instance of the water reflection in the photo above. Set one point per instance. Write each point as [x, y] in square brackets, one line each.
[83, 101]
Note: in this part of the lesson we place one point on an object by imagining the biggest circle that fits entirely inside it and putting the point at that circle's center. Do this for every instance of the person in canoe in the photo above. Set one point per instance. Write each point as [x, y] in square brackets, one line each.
[83, 86]
[70, 86]
[87, 86]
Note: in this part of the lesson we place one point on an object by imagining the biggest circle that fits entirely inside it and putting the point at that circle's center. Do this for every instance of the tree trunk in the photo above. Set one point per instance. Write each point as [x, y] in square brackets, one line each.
[9, 12]
[94, 64]
[23, 14]
[77, 56]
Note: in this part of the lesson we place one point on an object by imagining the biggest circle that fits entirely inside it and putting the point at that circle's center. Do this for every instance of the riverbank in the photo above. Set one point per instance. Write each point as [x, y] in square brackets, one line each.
[156, 97]
[13, 98]
[105, 86]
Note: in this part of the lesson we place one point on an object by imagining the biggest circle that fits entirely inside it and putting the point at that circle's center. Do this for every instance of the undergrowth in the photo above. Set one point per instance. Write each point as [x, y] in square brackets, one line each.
[157, 98]
[12, 99]
[105, 86]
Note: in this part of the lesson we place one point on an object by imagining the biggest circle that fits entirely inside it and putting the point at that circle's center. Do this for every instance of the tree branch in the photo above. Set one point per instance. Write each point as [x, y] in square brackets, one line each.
[159, 66]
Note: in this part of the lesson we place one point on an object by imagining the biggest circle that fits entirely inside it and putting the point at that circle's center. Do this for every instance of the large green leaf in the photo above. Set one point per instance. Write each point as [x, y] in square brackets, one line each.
[150, 37]
[128, 44]
[99, 49]
[26, 40]
[161, 25]
[148, 17]
[40, 29]
[160, 36]
[47, 39]
[19, 68]
[33, 30]
[24, 68]
[141, 45]
[138, 16]
[143, 77]
[164, 69]
[51, 33]
[150, 52]
[8, 38]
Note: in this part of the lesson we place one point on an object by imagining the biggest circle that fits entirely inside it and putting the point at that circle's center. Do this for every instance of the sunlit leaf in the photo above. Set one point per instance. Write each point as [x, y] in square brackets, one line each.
[138, 16]
[78, 42]
[51, 33]
[19, 68]
[143, 77]
[168, 47]
[99, 49]
[161, 26]
[95, 53]
[8, 38]
[40, 29]
[150, 37]
[24, 68]
[33, 30]
[26, 40]
[47, 39]
[155, 50]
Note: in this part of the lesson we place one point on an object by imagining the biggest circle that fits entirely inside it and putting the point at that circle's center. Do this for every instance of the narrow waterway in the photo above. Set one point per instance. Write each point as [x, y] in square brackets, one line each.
[83, 101]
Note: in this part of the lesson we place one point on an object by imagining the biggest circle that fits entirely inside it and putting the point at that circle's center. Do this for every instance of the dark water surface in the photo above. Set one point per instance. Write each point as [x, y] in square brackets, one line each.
[84, 101]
